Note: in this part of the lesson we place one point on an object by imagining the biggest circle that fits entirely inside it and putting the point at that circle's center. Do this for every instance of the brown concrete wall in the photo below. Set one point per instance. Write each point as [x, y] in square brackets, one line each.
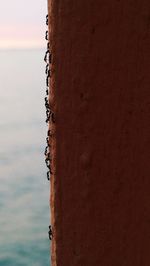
[101, 96]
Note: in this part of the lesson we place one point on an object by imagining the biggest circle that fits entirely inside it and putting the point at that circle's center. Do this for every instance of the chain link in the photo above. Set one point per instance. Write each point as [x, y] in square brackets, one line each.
[49, 113]
[50, 118]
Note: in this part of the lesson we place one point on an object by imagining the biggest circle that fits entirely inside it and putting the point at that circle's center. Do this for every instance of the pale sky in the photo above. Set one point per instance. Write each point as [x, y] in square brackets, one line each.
[22, 23]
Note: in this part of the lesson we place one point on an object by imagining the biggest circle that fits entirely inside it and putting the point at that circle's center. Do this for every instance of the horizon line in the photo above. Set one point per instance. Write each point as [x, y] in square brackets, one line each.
[22, 48]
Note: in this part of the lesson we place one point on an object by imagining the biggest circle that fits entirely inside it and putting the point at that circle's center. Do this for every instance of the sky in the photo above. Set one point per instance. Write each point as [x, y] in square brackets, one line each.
[22, 23]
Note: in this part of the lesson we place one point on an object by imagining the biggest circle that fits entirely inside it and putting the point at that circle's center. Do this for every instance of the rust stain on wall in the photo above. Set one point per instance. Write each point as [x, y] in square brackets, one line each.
[100, 90]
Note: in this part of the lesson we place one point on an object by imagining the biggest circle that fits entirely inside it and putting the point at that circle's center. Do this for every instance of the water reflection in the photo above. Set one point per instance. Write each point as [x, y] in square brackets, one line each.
[24, 190]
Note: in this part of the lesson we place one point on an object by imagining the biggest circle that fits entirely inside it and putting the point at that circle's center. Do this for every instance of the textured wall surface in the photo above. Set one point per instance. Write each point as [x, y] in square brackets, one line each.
[100, 92]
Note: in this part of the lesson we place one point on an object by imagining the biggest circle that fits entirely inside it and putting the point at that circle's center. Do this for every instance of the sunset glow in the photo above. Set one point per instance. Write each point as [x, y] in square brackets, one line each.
[22, 25]
[21, 44]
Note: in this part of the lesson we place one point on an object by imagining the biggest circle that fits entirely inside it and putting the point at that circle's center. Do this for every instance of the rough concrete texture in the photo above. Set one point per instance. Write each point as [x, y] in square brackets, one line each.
[101, 95]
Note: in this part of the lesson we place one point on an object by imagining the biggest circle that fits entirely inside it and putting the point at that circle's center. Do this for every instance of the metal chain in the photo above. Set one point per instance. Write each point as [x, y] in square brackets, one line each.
[49, 114]
[50, 232]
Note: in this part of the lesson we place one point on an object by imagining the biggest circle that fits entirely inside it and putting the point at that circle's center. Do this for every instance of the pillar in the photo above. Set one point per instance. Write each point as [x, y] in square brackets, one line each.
[100, 94]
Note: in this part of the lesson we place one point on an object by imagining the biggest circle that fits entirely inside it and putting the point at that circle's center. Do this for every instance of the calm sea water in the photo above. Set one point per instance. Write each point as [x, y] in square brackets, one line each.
[24, 190]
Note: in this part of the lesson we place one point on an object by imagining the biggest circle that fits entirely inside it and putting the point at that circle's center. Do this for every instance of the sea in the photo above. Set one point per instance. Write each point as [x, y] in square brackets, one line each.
[24, 189]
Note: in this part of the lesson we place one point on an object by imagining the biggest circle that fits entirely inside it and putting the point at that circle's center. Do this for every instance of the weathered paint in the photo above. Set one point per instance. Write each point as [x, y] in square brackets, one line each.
[100, 198]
